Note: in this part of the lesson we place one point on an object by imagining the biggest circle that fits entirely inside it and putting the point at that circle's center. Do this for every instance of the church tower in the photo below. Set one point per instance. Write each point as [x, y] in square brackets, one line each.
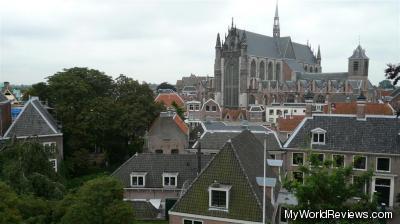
[276, 31]
[358, 64]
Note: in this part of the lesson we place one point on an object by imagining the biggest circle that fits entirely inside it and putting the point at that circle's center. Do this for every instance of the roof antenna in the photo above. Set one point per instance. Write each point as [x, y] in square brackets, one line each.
[359, 40]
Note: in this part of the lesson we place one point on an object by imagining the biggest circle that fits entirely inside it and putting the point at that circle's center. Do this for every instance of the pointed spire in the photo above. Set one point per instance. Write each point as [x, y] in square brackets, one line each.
[218, 42]
[232, 22]
[319, 53]
[276, 29]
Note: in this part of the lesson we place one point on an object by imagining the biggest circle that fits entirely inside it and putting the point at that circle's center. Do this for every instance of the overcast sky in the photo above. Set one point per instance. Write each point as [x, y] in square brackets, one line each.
[157, 41]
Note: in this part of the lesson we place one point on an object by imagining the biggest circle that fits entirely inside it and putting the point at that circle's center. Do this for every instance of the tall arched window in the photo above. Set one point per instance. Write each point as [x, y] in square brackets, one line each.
[262, 71]
[305, 68]
[270, 70]
[278, 71]
[311, 69]
[253, 68]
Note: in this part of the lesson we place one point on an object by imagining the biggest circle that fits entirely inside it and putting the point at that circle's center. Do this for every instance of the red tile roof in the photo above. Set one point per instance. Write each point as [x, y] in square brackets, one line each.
[351, 108]
[233, 114]
[168, 98]
[289, 123]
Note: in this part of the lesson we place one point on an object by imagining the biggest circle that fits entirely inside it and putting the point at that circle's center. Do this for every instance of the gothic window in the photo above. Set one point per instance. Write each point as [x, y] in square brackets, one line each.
[305, 68]
[366, 67]
[253, 68]
[270, 75]
[311, 69]
[290, 98]
[278, 71]
[262, 71]
[355, 66]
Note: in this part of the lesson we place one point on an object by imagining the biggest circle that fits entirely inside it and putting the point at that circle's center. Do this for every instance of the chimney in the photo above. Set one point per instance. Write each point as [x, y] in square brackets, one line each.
[6, 85]
[361, 103]
[198, 153]
[309, 98]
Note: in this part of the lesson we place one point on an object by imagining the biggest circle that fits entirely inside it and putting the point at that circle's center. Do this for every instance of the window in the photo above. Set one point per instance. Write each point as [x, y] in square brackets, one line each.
[360, 184]
[219, 196]
[383, 164]
[160, 151]
[50, 146]
[196, 107]
[355, 66]
[278, 112]
[191, 107]
[138, 179]
[170, 179]
[297, 158]
[53, 164]
[285, 112]
[360, 162]
[298, 176]
[191, 221]
[214, 108]
[271, 112]
[174, 151]
[288, 135]
[207, 108]
[317, 159]
[318, 136]
[338, 160]
[273, 156]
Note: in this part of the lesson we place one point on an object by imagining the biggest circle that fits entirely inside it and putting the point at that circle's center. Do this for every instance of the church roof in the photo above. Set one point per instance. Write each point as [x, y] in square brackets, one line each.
[359, 53]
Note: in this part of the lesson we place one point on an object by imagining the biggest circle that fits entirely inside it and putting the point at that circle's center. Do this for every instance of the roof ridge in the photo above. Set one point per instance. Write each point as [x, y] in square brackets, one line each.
[44, 117]
[16, 119]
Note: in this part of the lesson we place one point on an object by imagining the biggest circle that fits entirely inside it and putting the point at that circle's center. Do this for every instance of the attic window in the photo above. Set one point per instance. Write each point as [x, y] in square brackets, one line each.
[138, 179]
[207, 108]
[318, 136]
[219, 196]
[214, 108]
[170, 179]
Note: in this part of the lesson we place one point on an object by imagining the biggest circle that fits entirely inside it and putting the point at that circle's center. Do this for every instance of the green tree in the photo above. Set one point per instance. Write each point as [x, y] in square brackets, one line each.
[40, 90]
[179, 110]
[9, 212]
[97, 201]
[393, 72]
[386, 84]
[326, 188]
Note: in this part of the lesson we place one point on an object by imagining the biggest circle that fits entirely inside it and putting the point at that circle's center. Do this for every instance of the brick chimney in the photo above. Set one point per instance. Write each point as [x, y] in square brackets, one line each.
[309, 98]
[361, 104]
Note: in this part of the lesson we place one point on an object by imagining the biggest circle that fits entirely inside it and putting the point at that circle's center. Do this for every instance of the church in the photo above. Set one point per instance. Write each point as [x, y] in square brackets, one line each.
[252, 68]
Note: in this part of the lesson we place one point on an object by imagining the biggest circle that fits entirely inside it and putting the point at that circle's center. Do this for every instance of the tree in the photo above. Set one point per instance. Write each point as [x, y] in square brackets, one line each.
[386, 84]
[179, 110]
[166, 85]
[393, 72]
[97, 201]
[9, 212]
[25, 166]
[40, 90]
[326, 188]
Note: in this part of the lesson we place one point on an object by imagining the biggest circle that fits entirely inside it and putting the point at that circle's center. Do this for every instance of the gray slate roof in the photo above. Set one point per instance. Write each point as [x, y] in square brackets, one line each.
[294, 65]
[3, 98]
[221, 126]
[216, 140]
[359, 53]
[346, 133]
[34, 120]
[156, 164]
[323, 76]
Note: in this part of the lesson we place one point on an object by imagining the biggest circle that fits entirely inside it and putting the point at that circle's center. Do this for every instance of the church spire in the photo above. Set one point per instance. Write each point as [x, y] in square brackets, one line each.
[276, 29]
[218, 42]
[319, 56]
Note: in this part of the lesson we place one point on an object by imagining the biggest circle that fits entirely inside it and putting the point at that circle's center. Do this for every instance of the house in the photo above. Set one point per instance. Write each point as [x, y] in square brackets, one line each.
[255, 113]
[197, 112]
[276, 110]
[5, 114]
[168, 98]
[34, 121]
[168, 134]
[351, 108]
[153, 182]
[368, 142]
[234, 114]
[231, 188]
[286, 125]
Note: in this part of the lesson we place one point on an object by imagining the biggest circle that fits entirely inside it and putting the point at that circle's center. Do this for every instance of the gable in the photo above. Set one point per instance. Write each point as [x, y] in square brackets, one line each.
[226, 169]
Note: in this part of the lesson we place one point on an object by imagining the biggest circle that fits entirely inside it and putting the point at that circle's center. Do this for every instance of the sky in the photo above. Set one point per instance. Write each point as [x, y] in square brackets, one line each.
[156, 41]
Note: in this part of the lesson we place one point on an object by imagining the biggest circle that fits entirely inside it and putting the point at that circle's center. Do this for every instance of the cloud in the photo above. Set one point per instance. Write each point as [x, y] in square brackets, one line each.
[159, 41]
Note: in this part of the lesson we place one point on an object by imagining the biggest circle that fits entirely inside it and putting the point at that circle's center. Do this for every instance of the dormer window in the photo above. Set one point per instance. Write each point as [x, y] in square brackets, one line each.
[138, 179]
[219, 196]
[207, 108]
[170, 179]
[191, 107]
[214, 108]
[318, 136]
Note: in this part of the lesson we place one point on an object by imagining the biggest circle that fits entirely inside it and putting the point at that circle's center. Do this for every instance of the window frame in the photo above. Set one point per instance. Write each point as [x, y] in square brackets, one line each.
[297, 171]
[137, 175]
[384, 171]
[366, 163]
[170, 175]
[318, 131]
[224, 188]
[191, 220]
[333, 160]
[50, 145]
[302, 163]
[55, 164]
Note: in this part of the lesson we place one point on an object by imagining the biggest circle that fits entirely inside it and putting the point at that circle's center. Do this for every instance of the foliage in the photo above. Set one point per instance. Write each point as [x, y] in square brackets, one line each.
[24, 165]
[393, 72]
[166, 85]
[40, 90]
[9, 212]
[386, 84]
[98, 115]
[97, 201]
[179, 110]
[326, 188]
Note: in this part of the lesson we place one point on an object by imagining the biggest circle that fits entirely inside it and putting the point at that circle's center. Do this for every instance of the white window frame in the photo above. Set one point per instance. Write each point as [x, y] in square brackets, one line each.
[49, 144]
[225, 188]
[191, 107]
[137, 174]
[391, 195]
[196, 107]
[191, 220]
[383, 171]
[318, 131]
[366, 162]
[344, 160]
[55, 164]
[293, 158]
[214, 107]
[208, 106]
[298, 171]
[170, 175]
